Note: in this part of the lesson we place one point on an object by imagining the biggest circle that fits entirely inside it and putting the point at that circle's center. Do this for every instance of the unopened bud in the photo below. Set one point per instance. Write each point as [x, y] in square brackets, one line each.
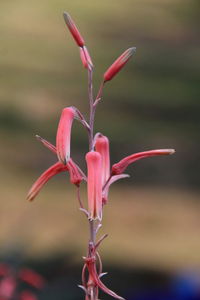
[73, 29]
[118, 64]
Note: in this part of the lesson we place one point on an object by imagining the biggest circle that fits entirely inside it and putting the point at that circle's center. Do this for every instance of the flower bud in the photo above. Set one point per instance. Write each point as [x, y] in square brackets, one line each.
[118, 64]
[73, 29]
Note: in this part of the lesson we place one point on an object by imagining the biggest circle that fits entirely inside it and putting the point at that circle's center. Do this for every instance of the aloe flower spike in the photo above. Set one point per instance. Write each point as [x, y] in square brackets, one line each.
[63, 138]
[119, 167]
[74, 30]
[118, 64]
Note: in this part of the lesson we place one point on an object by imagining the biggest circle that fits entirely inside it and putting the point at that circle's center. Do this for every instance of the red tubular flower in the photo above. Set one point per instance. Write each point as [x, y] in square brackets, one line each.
[94, 185]
[27, 295]
[74, 30]
[63, 137]
[4, 269]
[118, 64]
[102, 146]
[7, 287]
[32, 278]
[48, 174]
[119, 167]
[76, 174]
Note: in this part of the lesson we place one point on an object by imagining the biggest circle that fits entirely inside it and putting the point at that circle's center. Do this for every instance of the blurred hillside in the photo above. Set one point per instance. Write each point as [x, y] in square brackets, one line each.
[152, 103]
[153, 224]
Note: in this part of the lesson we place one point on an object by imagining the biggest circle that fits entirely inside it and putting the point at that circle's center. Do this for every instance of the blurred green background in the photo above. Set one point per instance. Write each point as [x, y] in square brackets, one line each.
[153, 219]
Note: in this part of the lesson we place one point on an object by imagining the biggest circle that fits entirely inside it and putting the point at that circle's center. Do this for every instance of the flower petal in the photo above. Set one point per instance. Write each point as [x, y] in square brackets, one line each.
[119, 167]
[48, 174]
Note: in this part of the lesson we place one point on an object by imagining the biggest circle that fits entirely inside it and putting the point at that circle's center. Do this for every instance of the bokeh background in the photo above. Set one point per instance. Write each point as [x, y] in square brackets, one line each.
[153, 219]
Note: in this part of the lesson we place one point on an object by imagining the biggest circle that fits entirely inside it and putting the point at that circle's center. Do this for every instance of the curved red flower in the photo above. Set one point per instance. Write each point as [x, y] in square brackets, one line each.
[120, 167]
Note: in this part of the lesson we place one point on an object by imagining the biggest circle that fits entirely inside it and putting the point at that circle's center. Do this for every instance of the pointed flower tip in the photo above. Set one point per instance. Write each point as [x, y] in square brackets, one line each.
[133, 50]
[128, 54]
[163, 151]
[118, 64]
[172, 151]
[29, 197]
[46, 144]
[66, 16]
[73, 29]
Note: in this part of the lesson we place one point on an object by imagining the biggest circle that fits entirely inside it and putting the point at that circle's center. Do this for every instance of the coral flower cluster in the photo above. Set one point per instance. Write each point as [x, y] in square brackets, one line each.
[100, 175]
[10, 280]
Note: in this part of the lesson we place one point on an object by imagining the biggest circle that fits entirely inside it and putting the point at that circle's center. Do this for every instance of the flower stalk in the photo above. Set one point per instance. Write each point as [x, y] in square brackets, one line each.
[99, 176]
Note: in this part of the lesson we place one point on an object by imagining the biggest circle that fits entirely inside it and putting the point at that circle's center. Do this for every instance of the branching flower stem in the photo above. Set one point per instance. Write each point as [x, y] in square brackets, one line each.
[99, 174]
[94, 225]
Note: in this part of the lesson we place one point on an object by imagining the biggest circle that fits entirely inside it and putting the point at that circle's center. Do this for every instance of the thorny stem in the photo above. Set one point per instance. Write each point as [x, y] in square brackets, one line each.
[92, 290]
[91, 101]
[92, 232]
[100, 263]
[99, 94]
[109, 178]
[80, 202]
[100, 240]
[79, 198]
[91, 124]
